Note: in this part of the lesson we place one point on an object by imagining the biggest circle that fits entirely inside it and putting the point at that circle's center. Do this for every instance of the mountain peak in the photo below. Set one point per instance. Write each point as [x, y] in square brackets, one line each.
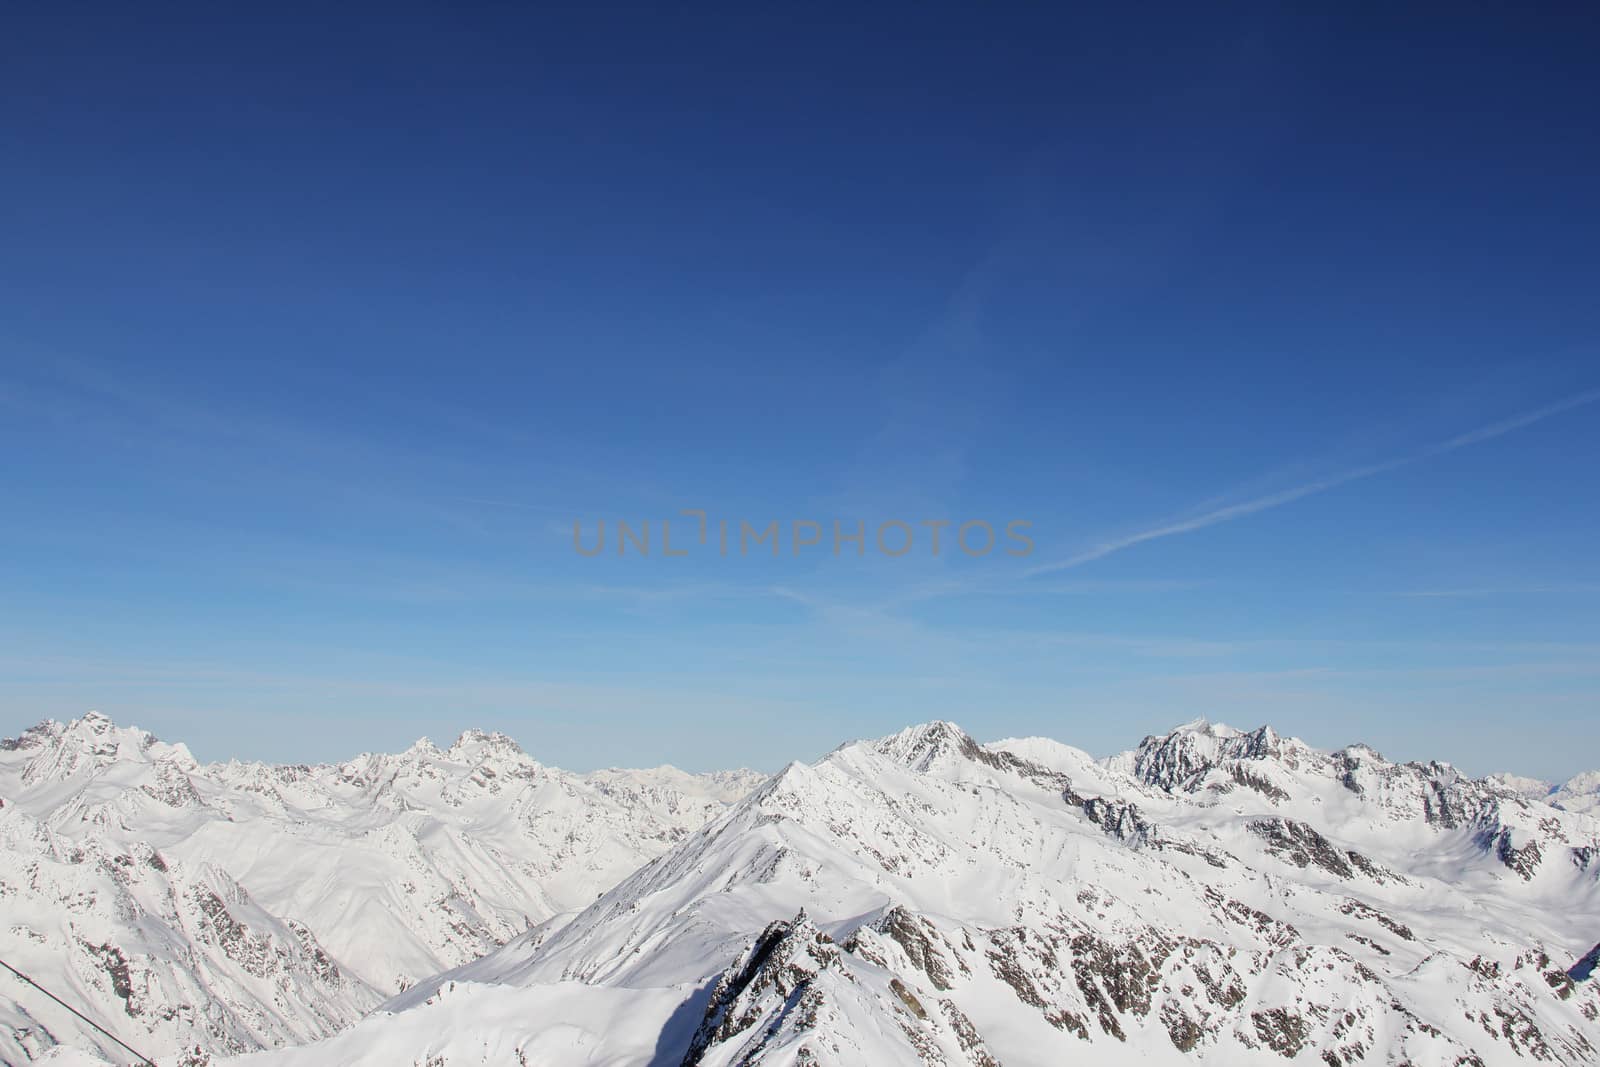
[59, 750]
[481, 742]
[1202, 725]
[1177, 758]
[424, 747]
[920, 747]
[1579, 793]
[1587, 782]
[795, 778]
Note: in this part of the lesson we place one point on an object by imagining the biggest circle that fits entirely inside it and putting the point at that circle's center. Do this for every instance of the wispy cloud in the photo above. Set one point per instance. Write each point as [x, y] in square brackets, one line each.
[1568, 589]
[1246, 508]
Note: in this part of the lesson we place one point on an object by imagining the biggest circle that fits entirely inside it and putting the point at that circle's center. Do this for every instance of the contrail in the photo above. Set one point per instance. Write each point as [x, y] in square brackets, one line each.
[1287, 496]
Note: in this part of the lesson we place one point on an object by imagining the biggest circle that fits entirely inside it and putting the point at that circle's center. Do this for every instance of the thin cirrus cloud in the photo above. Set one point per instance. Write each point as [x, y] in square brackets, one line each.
[1575, 588]
[1299, 492]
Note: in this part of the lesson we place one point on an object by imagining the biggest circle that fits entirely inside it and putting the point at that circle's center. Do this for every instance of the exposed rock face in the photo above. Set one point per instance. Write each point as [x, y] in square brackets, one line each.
[771, 980]
[796, 996]
[1177, 762]
[1209, 761]
[1301, 845]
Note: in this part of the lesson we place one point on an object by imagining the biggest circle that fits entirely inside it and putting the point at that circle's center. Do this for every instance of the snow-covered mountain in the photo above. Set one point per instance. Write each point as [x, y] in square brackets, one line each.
[236, 906]
[1213, 896]
[1581, 792]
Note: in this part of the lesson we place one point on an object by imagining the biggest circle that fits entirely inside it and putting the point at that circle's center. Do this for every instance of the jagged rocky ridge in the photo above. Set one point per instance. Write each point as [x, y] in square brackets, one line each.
[1212, 896]
[208, 909]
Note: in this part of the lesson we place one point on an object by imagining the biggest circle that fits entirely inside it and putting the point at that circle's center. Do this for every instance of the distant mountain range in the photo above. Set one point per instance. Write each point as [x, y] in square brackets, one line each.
[1581, 792]
[238, 906]
[1211, 896]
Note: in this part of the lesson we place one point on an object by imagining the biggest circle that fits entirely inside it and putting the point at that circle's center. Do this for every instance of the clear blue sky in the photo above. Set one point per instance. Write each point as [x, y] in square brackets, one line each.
[317, 334]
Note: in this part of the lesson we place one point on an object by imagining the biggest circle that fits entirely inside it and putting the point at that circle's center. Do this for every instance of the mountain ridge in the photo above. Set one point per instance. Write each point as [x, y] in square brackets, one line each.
[1236, 897]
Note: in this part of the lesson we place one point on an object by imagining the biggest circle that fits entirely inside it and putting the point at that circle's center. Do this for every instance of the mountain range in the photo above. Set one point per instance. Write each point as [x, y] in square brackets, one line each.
[1209, 896]
[236, 906]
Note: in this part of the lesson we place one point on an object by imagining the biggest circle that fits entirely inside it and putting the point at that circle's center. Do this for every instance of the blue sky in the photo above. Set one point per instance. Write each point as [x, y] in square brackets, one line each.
[317, 335]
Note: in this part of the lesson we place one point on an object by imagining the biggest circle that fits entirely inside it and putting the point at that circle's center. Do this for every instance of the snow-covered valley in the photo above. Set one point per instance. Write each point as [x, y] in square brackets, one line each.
[1210, 896]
